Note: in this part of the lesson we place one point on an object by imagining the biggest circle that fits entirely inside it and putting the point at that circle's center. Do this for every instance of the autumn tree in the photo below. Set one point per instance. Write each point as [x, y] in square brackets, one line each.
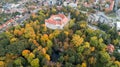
[77, 40]
[35, 62]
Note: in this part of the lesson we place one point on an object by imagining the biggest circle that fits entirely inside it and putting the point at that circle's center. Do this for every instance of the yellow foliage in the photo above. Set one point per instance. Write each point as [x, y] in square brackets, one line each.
[84, 64]
[77, 40]
[82, 25]
[44, 37]
[16, 32]
[65, 45]
[30, 40]
[44, 27]
[54, 34]
[22, 30]
[46, 48]
[35, 63]
[66, 33]
[83, 36]
[115, 41]
[31, 55]
[51, 36]
[86, 44]
[94, 38]
[117, 62]
[2, 64]
[47, 57]
[9, 34]
[39, 47]
[13, 40]
[29, 32]
[100, 40]
[92, 49]
[27, 25]
[43, 50]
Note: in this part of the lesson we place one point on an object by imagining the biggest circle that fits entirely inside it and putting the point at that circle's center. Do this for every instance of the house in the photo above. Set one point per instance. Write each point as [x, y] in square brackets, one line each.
[1, 10]
[110, 48]
[118, 25]
[118, 14]
[116, 5]
[74, 5]
[57, 21]
[71, 4]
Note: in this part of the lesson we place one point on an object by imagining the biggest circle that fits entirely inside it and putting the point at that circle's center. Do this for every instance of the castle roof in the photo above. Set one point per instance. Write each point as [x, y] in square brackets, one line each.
[57, 19]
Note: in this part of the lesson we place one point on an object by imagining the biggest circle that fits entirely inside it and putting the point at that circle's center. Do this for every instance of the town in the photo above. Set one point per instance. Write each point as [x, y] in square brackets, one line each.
[59, 33]
[18, 12]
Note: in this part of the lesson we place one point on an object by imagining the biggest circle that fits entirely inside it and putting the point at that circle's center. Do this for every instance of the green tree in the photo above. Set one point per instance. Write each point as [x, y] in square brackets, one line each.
[35, 62]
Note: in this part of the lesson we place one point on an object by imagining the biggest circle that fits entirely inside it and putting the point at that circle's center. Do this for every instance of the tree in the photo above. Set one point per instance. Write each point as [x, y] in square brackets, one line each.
[72, 23]
[25, 53]
[86, 45]
[30, 57]
[47, 57]
[77, 40]
[16, 47]
[20, 61]
[49, 43]
[92, 60]
[94, 41]
[84, 64]
[35, 62]
[79, 32]
[104, 57]
[2, 64]
[83, 24]
[2, 50]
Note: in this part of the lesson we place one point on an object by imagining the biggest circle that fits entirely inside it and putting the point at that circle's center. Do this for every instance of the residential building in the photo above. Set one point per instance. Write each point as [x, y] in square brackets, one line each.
[110, 48]
[118, 25]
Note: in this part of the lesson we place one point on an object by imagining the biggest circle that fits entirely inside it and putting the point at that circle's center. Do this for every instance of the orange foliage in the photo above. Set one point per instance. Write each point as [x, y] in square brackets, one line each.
[35, 42]
[43, 50]
[16, 32]
[39, 47]
[44, 37]
[22, 30]
[33, 15]
[2, 64]
[25, 52]
[92, 49]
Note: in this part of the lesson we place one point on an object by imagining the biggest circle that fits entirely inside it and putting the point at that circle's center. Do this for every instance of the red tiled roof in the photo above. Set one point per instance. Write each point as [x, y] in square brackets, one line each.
[5, 24]
[110, 48]
[51, 20]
